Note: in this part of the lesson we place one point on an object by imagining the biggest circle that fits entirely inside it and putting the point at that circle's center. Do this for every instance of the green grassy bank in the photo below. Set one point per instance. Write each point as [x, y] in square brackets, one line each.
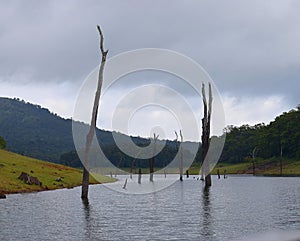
[270, 167]
[52, 176]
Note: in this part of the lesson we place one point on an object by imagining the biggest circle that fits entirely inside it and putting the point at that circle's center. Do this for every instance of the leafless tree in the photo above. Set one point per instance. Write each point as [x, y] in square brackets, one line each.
[281, 160]
[179, 147]
[152, 160]
[253, 159]
[91, 133]
[140, 176]
[206, 133]
[132, 167]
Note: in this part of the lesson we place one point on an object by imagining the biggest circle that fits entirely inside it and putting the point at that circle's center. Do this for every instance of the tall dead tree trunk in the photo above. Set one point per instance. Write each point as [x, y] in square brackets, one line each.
[206, 133]
[91, 133]
[132, 167]
[140, 176]
[152, 160]
[181, 157]
[253, 160]
[179, 147]
[281, 161]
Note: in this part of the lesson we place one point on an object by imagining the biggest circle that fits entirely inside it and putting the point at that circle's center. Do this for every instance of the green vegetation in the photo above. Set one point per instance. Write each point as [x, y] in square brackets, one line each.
[120, 159]
[281, 134]
[12, 164]
[2, 143]
[262, 167]
[36, 132]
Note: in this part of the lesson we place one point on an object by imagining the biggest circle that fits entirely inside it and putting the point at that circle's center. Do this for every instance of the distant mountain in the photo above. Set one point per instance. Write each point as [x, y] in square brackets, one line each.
[36, 132]
[33, 131]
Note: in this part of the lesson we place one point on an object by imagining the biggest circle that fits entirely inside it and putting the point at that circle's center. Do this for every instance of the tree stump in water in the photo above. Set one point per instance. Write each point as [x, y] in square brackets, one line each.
[125, 184]
[2, 196]
[140, 176]
[187, 173]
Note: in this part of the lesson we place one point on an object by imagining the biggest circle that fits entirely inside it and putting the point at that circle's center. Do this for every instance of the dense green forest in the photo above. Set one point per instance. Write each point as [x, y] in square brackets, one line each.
[2, 143]
[282, 134]
[36, 132]
[33, 131]
[119, 159]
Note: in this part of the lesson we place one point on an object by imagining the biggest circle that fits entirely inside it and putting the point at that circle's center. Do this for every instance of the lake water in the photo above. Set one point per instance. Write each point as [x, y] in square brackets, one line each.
[234, 208]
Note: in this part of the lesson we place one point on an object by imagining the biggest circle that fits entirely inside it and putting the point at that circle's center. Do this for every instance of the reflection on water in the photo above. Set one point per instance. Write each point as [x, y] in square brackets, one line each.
[231, 209]
[86, 211]
[207, 227]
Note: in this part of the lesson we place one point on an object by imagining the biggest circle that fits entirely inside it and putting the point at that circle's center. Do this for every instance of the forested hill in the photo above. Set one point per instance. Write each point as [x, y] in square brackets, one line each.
[282, 134]
[33, 131]
[36, 132]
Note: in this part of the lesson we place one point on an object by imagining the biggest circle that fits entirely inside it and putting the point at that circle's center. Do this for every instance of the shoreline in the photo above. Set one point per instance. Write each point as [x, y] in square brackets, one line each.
[43, 189]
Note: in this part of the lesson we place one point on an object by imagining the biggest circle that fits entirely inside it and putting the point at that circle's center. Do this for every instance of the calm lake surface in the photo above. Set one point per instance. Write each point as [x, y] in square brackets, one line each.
[234, 208]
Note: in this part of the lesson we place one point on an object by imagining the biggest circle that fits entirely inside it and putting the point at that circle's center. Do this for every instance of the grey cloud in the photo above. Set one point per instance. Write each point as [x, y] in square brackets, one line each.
[248, 47]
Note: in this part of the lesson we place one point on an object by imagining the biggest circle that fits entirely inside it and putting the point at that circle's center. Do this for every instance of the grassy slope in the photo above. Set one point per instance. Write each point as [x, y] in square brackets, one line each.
[11, 166]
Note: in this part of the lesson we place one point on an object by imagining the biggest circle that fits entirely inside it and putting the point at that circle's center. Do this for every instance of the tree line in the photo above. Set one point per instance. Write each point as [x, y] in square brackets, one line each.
[35, 131]
[2, 143]
[281, 135]
[121, 160]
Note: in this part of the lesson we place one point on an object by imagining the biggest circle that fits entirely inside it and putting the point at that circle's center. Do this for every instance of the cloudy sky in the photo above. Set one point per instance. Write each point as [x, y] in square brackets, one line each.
[249, 48]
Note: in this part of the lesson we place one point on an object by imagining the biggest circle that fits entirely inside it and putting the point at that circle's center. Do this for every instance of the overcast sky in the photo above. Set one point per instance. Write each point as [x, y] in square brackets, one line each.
[249, 48]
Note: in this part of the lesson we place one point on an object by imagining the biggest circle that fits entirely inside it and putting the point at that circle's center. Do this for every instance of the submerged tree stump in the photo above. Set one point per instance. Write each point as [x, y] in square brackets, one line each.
[179, 147]
[140, 176]
[218, 172]
[125, 184]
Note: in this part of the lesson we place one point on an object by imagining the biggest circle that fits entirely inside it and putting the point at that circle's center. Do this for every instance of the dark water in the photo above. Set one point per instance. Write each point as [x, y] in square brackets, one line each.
[234, 208]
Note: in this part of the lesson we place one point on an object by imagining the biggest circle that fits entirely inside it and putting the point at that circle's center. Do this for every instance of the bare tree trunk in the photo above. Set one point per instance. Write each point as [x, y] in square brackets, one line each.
[179, 147]
[152, 160]
[140, 176]
[281, 161]
[187, 173]
[131, 168]
[118, 166]
[151, 168]
[90, 135]
[125, 184]
[253, 161]
[206, 134]
[181, 158]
